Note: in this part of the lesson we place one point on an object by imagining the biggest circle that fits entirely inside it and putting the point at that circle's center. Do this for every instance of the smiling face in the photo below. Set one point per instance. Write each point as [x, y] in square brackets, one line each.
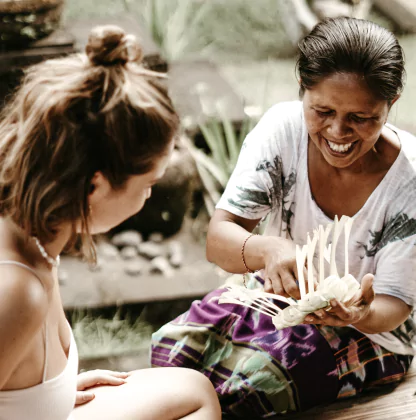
[344, 118]
[109, 207]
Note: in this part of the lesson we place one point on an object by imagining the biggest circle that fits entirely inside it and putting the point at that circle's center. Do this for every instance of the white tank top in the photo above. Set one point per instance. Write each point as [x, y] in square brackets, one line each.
[53, 399]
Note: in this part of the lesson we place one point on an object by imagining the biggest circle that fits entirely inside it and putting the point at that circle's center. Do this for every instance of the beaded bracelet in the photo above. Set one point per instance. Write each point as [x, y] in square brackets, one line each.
[244, 260]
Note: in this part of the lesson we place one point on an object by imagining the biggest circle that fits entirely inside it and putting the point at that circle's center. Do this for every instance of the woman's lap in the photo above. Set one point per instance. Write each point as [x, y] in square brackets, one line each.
[260, 371]
[148, 394]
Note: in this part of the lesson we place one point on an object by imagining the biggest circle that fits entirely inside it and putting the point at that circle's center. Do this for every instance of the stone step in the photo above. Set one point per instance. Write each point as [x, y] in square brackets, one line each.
[60, 42]
[112, 286]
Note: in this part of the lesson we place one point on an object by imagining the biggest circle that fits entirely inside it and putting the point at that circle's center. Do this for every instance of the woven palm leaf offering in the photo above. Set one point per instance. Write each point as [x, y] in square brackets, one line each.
[321, 290]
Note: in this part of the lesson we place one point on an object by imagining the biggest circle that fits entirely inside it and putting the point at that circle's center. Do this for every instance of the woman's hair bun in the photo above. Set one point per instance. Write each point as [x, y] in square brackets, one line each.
[109, 44]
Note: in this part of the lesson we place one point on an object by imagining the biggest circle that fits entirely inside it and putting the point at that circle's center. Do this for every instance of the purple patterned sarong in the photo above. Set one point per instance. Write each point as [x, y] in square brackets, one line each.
[258, 371]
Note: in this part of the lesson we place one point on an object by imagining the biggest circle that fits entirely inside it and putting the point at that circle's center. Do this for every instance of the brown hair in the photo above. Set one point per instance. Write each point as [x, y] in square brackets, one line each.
[74, 116]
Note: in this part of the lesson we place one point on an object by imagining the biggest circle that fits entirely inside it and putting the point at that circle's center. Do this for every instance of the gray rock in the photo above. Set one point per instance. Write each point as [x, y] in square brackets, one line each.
[63, 276]
[128, 252]
[151, 250]
[127, 238]
[175, 253]
[156, 237]
[161, 265]
[107, 251]
[134, 268]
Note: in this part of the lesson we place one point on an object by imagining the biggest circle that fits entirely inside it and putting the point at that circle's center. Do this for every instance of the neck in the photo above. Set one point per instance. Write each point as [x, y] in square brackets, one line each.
[15, 241]
[56, 246]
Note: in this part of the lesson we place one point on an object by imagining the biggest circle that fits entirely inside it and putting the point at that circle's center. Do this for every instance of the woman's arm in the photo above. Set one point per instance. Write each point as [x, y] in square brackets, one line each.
[368, 313]
[386, 313]
[23, 308]
[226, 235]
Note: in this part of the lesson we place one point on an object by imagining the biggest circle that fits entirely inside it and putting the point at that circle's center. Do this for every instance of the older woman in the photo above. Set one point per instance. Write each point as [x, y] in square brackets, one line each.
[333, 153]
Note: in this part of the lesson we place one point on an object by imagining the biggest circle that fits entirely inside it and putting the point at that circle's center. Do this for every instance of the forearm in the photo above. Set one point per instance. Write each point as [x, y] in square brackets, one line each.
[386, 313]
[225, 242]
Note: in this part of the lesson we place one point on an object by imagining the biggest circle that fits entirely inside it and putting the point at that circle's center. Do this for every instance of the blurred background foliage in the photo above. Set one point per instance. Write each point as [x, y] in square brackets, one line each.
[247, 39]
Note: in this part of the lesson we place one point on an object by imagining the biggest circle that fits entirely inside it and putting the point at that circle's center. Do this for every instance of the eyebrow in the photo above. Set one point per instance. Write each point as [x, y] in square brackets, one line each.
[370, 113]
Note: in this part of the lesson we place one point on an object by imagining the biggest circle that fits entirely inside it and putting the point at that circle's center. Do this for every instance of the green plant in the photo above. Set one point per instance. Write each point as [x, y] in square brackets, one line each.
[99, 337]
[173, 24]
[215, 167]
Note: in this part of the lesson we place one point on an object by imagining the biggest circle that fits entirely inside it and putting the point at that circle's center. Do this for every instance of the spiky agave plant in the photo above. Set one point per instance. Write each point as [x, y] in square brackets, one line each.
[321, 290]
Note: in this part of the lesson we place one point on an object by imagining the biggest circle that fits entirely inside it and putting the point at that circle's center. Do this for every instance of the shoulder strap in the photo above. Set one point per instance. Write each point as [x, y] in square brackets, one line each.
[19, 264]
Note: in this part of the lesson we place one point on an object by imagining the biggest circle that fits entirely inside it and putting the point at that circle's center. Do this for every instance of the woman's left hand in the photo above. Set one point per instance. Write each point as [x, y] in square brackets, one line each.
[93, 378]
[352, 312]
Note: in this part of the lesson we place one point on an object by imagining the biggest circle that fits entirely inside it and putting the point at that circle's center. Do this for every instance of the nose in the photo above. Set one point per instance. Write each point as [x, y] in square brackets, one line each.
[338, 129]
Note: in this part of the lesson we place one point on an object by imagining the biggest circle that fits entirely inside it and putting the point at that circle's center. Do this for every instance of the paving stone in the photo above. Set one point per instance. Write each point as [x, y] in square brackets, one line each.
[151, 250]
[127, 238]
[175, 252]
[107, 251]
[156, 237]
[134, 268]
[161, 265]
[128, 252]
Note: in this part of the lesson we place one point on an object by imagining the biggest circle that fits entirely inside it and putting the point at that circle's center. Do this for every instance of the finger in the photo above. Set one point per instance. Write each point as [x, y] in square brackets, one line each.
[117, 374]
[107, 372]
[107, 379]
[340, 311]
[98, 378]
[268, 288]
[289, 284]
[83, 397]
[277, 285]
[311, 319]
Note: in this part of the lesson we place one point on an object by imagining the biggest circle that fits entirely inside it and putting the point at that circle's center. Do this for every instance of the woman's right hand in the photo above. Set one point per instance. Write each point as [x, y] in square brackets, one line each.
[280, 271]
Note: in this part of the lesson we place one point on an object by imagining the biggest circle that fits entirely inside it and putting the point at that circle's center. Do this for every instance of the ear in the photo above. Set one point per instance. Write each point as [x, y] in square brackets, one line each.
[100, 188]
[393, 101]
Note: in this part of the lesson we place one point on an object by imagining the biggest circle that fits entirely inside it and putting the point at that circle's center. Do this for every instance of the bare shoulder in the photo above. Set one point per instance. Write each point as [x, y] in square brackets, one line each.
[23, 309]
[22, 297]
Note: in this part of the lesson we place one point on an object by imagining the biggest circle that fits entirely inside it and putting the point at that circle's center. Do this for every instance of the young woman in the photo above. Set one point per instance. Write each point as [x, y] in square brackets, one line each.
[333, 153]
[81, 145]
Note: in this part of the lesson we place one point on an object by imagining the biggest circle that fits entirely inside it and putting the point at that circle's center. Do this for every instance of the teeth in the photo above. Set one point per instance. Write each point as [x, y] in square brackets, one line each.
[340, 148]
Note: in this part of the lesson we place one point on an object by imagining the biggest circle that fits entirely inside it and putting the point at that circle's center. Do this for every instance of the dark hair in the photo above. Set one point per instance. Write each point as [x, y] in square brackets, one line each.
[74, 116]
[347, 45]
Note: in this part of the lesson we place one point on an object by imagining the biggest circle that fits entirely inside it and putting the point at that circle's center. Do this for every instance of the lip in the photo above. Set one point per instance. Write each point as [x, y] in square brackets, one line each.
[339, 154]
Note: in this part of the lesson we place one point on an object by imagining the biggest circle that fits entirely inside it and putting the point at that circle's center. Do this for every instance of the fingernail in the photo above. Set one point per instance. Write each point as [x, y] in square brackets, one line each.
[333, 303]
[309, 319]
[89, 396]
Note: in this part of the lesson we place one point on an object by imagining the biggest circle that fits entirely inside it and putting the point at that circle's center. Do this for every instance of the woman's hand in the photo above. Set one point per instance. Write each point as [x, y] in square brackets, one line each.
[280, 271]
[93, 378]
[352, 312]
